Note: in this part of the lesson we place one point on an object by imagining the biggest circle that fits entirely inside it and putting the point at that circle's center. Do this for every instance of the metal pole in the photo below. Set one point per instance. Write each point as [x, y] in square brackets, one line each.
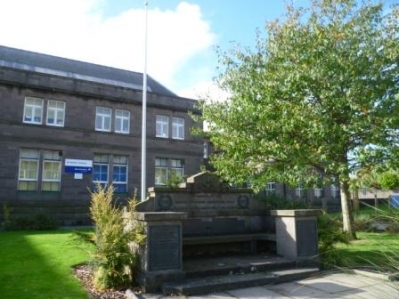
[144, 114]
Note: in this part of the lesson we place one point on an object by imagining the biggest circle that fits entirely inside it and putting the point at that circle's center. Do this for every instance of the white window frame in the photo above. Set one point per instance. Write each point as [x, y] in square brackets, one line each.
[177, 166]
[162, 126]
[103, 116]
[122, 121]
[23, 176]
[335, 191]
[178, 128]
[318, 192]
[101, 159]
[32, 105]
[53, 158]
[271, 187]
[59, 113]
[120, 161]
[300, 191]
[161, 164]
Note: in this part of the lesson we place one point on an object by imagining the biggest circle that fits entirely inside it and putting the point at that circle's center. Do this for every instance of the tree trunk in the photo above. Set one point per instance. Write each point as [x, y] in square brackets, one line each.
[347, 216]
[356, 200]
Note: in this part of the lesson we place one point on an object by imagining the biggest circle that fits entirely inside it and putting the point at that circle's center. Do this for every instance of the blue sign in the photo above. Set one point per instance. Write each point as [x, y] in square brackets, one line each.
[78, 169]
[78, 166]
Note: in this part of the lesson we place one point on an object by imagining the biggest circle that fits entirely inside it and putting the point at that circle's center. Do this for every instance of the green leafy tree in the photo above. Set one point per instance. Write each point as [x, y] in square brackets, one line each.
[310, 101]
[389, 180]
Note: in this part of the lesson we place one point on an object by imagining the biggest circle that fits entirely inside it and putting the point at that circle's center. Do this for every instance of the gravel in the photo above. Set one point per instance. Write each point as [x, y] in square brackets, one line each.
[84, 274]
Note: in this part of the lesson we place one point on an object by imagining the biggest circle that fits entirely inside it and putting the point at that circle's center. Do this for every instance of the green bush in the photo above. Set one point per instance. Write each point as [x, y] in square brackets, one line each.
[37, 221]
[363, 222]
[330, 233]
[113, 260]
[389, 180]
[275, 201]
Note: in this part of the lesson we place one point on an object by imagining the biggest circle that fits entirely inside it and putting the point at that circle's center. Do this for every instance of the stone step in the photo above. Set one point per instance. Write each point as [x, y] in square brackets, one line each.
[198, 286]
[230, 266]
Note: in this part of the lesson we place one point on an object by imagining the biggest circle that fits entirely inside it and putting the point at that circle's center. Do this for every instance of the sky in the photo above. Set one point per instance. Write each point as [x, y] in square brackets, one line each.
[182, 35]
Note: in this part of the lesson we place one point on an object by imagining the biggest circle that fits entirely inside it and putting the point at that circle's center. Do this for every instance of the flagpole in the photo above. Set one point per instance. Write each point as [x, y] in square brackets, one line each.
[144, 113]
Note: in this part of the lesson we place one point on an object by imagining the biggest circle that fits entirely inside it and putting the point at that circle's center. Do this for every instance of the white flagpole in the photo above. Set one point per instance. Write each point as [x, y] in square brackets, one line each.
[144, 114]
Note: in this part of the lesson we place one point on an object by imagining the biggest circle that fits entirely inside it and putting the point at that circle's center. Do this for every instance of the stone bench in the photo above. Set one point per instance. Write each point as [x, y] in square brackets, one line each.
[228, 243]
[214, 239]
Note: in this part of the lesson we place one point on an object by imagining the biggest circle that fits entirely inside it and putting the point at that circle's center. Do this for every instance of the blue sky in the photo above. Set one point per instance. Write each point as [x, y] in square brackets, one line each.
[182, 35]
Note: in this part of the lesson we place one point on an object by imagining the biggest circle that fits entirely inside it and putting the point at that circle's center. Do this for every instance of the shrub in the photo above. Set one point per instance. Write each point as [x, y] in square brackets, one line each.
[38, 221]
[275, 201]
[389, 180]
[113, 259]
[330, 233]
[175, 180]
[363, 222]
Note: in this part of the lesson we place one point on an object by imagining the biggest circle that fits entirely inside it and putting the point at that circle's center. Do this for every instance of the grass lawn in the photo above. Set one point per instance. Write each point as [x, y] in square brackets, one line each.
[379, 250]
[38, 265]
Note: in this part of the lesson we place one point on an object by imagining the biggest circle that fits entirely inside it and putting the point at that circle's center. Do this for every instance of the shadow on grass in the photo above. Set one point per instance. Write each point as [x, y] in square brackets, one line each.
[38, 265]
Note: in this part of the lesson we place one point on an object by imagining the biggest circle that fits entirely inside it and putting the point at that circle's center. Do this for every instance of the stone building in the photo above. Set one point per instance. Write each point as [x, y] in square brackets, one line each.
[67, 125]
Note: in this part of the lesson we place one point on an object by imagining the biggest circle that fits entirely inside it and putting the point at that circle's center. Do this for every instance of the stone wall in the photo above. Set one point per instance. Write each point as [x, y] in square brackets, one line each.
[205, 217]
[212, 207]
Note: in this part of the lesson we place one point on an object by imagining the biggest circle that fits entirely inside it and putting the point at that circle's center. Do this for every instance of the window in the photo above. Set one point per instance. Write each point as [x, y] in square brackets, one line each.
[122, 121]
[318, 192]
[33, 111]
[167, 170]
[119, 179]
[161, 171]
[177, 168]
[335, 191]
[103, 119]
[55, 113]
[100, 170]
[177, 128]
[29, 170]
[271, 188]
[103, 164]
[300, 191]
[162, 129]
[51, 177]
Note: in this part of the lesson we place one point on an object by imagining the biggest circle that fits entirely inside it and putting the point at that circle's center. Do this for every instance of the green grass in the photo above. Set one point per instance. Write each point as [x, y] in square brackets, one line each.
[39, 265]
[382, 209]
[377, 250]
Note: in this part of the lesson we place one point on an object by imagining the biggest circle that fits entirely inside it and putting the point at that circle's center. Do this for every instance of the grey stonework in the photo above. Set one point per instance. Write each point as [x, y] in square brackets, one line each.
[204, 217]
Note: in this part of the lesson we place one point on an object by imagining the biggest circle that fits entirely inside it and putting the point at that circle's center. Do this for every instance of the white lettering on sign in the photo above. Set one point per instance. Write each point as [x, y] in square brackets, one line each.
[78, 163]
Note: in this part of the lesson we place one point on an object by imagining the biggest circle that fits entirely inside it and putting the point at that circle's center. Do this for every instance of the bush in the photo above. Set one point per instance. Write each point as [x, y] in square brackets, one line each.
[330, 233]
[38, 221]
[363, 222]
[275, 201]
[389, 180]
[113, 260]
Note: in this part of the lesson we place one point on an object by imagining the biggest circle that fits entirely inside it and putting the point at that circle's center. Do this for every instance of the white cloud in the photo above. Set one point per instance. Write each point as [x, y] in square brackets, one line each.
[78, 29]
[206, 90]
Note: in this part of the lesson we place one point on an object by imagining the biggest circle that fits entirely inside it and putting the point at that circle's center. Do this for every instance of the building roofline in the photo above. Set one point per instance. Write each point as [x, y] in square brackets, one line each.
[75, 69]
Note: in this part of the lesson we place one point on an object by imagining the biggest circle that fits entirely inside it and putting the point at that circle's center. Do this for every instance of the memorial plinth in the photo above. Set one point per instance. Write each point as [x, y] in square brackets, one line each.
[161, 255]
[296, 233]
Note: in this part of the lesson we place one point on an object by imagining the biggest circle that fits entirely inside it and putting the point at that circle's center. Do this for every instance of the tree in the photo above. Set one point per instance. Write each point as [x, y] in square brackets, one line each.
[310, 101]
[389, 180]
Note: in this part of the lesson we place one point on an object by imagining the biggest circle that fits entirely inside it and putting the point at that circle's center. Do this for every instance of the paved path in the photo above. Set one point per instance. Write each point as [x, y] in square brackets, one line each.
[334, 285]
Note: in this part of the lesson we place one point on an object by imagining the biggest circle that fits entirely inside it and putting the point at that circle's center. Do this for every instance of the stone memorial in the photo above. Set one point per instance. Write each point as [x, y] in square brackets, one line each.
[204, 217]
